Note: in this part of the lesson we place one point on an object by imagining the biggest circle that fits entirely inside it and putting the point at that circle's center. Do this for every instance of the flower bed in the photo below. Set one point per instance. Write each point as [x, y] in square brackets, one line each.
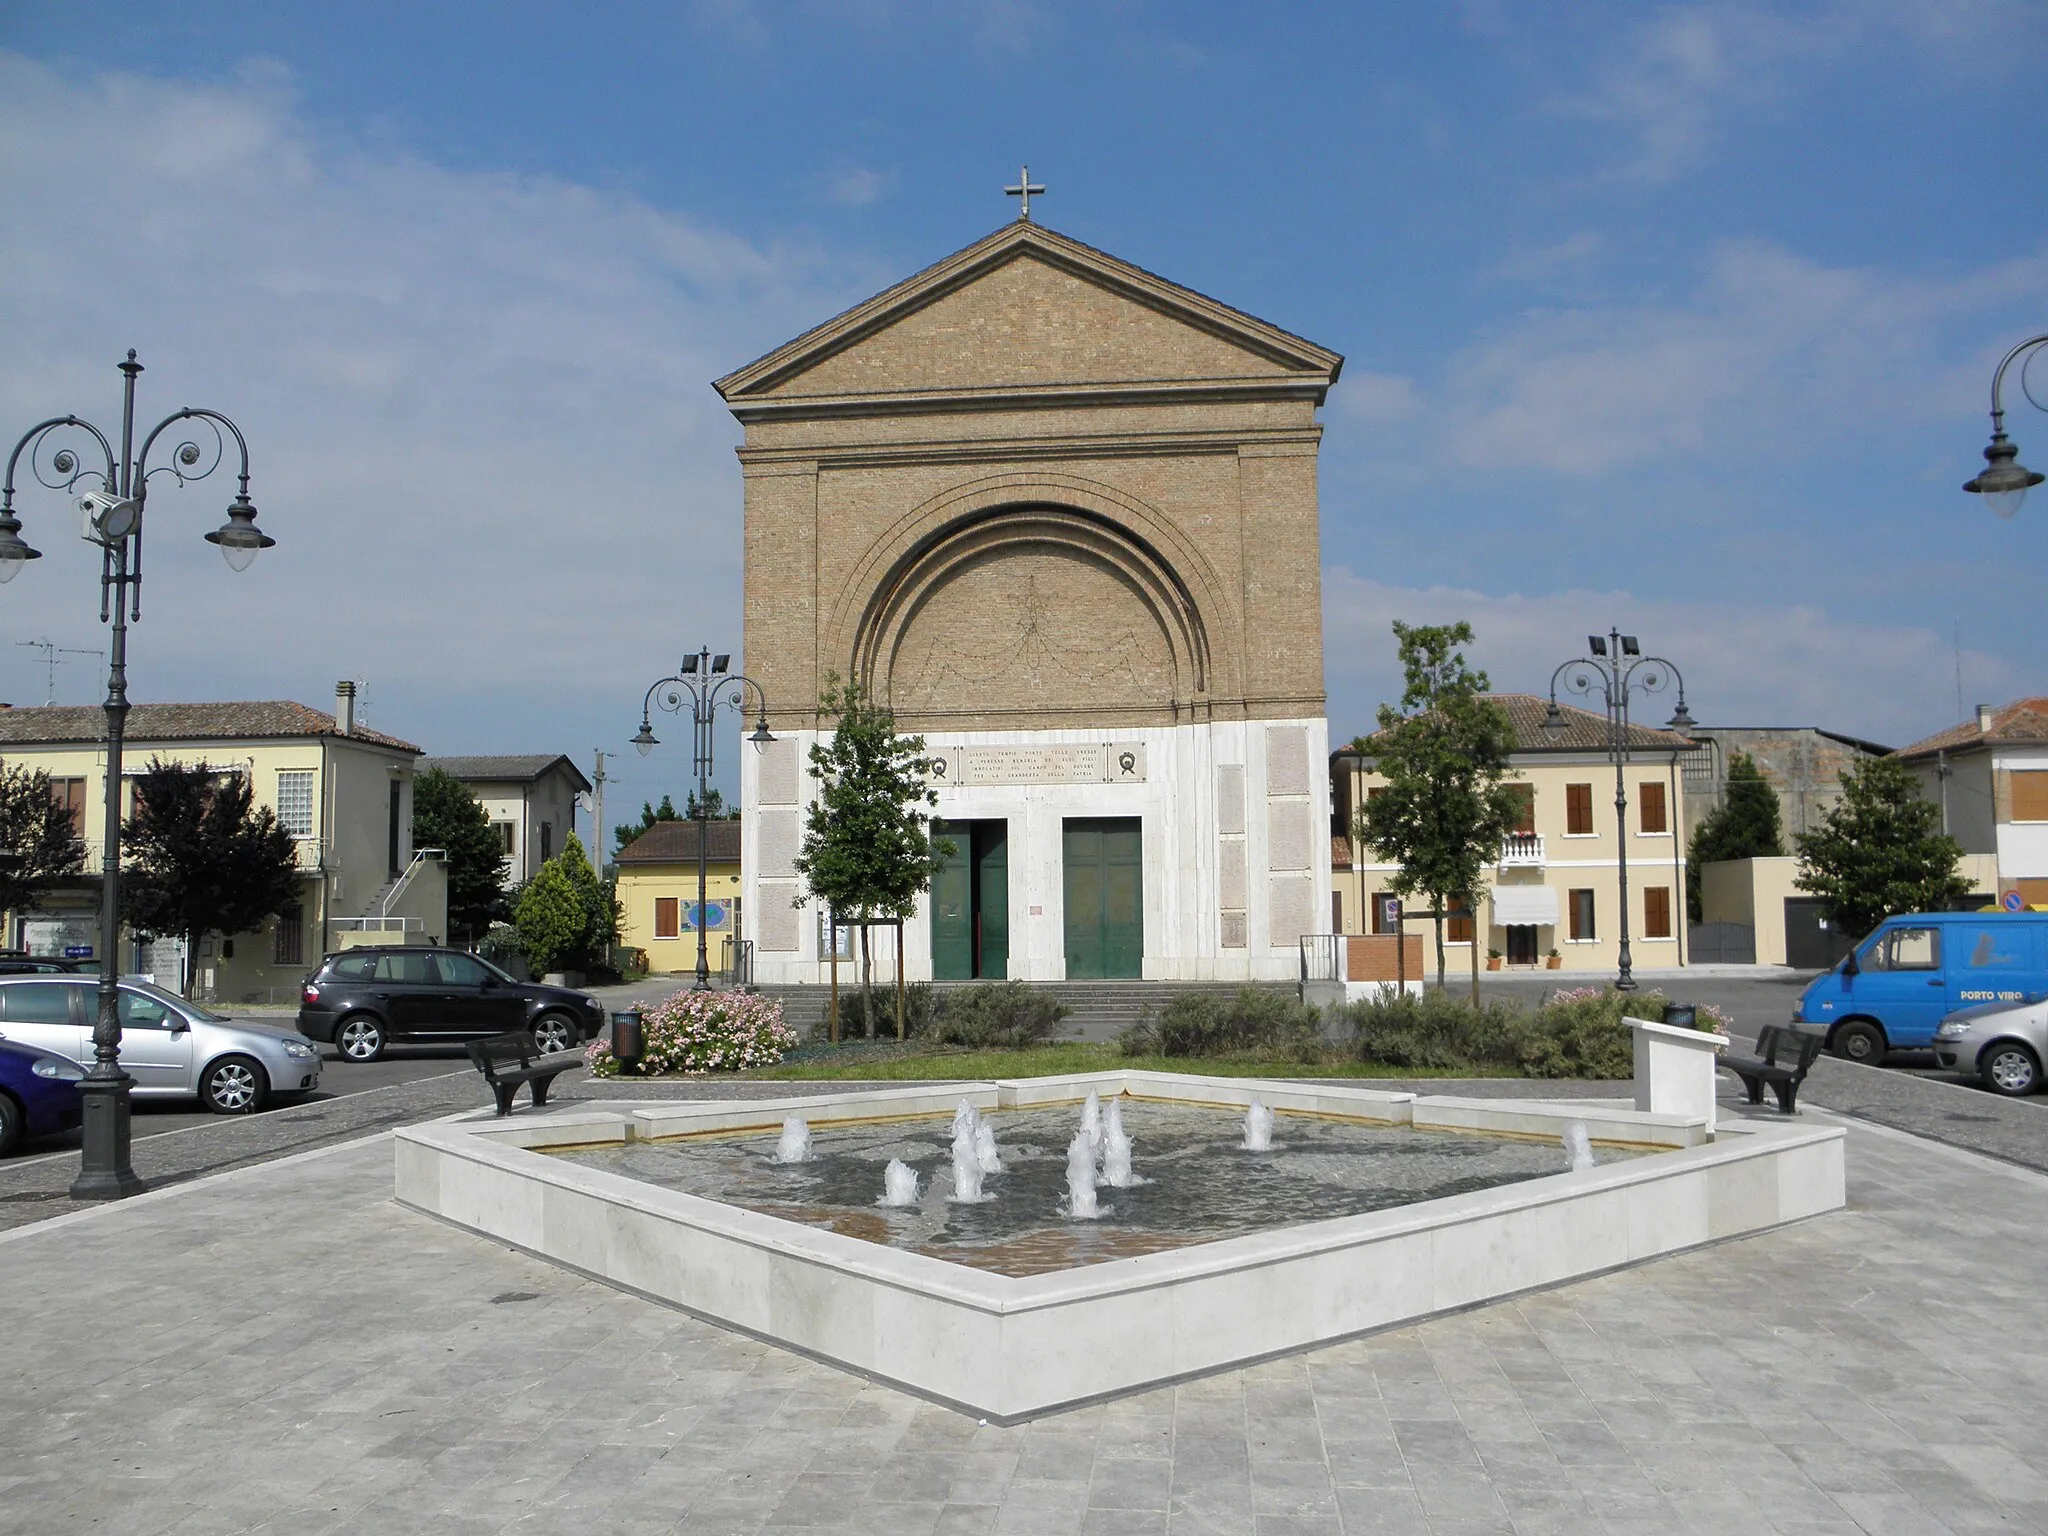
[697, 1032]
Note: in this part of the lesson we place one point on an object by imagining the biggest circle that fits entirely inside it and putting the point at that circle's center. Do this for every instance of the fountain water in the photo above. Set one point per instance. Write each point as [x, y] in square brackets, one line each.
[1258, 1128]
[795, 1145]
[1091, 1119]
[1578, 1145]
[985, 1148]
[899, 1183]
[1081, 1204]
[1116, 1150]
[967, 1161]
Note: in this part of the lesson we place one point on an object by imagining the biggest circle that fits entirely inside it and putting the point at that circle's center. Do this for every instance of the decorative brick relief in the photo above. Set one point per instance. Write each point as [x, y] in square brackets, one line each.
[777, 924]
[778, 776]
[1286, 760]
[1288, 844]
[778, 843]
[1230, 799]
[1288, 901]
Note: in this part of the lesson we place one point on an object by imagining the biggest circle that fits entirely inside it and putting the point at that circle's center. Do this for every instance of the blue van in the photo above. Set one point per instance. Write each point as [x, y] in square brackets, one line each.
[1891, 991]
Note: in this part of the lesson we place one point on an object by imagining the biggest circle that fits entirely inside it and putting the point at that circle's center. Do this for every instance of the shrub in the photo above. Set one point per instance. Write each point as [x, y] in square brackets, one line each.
[995, 1013]
[1203, 1024]
[698, 1032]
[853, 1013]
[1579, 1032]
[1437, 1030]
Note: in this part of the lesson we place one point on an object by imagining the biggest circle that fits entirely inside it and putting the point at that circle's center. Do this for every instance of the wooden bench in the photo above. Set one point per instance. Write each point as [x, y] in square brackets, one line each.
[506, 1061]
[1782, 1058]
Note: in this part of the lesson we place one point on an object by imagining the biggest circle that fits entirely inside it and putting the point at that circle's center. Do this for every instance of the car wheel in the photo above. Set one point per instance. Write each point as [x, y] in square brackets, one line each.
[554, 1032]
[2010, 1068]
[1860, 1042]
[13, 1124]
[234, 1085]
[359, 1038]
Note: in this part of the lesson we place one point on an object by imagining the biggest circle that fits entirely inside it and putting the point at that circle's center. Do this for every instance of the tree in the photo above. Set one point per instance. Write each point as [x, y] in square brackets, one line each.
[868, 852]
[446, 815]
[203, 857]
[600, 911]
[715, 808]
[1879, 851]
[1444, 754]
[36, 838]
[1744, 825]
[551, 917]
[626, 832]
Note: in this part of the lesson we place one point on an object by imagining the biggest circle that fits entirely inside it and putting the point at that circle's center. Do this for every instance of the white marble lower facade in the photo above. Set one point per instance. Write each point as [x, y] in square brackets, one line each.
[1234, 820]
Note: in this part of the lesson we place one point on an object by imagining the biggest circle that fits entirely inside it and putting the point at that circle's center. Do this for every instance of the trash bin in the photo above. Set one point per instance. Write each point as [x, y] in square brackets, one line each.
[629, 1040]
[1677, 1015]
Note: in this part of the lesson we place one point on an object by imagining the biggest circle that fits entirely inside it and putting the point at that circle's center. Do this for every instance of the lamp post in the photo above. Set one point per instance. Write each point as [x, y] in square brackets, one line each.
[2004, 481]
[110, 516]
[1617, 668]
[702, 683]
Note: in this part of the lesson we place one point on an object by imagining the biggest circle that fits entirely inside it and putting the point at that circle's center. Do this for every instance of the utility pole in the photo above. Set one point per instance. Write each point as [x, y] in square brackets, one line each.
[597, 831]
[51, 651]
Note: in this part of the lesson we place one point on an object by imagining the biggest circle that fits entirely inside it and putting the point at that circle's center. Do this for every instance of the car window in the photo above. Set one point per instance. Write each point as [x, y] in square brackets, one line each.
[402, 967]
[171, 1000]
[497, 970]
[141, 1011]
[459, 970]
[354, 967]
[1906, 949]
[36, 1002]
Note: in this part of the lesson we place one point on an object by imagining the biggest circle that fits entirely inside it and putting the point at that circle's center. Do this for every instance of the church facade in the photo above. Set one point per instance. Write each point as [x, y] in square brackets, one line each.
[1060, 514]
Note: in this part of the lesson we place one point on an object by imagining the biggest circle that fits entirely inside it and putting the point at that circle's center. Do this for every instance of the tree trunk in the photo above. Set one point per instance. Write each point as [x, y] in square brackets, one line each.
[1437, 902]
[867, 982]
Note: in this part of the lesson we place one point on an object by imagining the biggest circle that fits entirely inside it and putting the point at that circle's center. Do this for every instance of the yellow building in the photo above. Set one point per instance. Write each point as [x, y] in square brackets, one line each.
[342, 791]
[1556, 884]
[658, 890]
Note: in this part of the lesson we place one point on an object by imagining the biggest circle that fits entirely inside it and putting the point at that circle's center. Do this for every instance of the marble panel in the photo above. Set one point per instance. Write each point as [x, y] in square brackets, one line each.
[1286, 760]
[1230, 873]
[1288, 843]
[779, 775]
[1288, 915]
[1742, 1195]
[776, 844]
[777, 923]
[1230, 930]
[1230, 799]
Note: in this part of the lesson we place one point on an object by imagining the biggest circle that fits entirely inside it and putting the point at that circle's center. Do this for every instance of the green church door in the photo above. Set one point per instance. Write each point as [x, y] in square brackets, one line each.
[1105, 893]
[971, 902]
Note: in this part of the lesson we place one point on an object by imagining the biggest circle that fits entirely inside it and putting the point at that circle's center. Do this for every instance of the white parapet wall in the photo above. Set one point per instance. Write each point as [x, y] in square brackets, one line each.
[1675, 1070]
[1011, 1348]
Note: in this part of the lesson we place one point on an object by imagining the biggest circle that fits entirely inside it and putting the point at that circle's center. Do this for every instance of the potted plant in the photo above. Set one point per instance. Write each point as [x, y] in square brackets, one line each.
[1552, 961]
[1493, 959]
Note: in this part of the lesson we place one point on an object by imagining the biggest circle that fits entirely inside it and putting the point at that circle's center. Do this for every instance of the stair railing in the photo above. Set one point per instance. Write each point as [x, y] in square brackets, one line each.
[397, 887]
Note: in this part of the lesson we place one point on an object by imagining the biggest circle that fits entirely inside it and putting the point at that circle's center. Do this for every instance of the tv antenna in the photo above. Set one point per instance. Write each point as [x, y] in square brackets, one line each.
[51, 652]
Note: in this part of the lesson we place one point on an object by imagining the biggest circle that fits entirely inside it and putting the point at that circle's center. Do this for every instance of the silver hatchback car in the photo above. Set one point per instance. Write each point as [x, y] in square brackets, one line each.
[2003, 1043]
[172, 1048]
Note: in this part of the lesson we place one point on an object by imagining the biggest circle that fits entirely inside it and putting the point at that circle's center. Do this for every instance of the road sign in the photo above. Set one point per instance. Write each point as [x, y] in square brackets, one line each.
[77, 951]
[2013, 901]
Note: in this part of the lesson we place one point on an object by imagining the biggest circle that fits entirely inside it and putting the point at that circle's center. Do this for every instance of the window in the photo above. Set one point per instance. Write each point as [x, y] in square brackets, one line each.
[354, 967]
[69, 795]
[1336, 911]
[295, 802]
[141, 1011]
[1578, 810]
[506, 831]
[1994, 947]
[37, 1002]
[1651, 814]
[667, 917]
[1657, 912]
[1525, 808]
[1457, 923]
[404, 966]
[459, 970]
[1583, 929]
[2029, 796]
[1904, 949]
[547, 841]
[288, 940]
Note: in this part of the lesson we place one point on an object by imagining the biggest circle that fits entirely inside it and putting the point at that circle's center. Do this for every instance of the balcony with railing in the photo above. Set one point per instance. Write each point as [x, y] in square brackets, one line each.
[1522, 850]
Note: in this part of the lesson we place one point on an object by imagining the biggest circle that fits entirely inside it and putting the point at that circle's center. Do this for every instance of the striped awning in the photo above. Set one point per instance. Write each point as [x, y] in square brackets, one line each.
[1516, 906]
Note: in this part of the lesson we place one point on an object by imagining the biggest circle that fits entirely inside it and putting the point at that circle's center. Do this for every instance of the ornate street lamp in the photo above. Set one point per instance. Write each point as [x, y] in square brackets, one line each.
[110, 515]
[702, 683]
[1617, 669]
[2004, 481]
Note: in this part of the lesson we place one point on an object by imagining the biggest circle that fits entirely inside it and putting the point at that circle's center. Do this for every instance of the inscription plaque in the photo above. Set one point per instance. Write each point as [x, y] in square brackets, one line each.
[1116, 762]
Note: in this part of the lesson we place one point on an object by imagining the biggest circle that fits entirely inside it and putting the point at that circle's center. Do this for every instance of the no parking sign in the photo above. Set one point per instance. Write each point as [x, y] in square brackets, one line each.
[2012, 901]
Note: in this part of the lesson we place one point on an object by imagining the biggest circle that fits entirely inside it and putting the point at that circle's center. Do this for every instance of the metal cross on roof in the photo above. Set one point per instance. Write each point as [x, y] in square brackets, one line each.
[1022, 192]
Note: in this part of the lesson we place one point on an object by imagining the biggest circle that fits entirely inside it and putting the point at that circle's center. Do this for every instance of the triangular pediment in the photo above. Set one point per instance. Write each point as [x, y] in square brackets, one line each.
[1028, 311]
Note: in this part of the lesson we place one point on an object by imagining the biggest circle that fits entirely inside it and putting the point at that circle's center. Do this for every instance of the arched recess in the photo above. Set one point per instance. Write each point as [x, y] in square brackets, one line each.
[1108, 609]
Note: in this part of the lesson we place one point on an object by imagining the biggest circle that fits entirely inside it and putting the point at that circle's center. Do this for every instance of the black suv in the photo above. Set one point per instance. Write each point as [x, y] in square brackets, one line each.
[364, 999]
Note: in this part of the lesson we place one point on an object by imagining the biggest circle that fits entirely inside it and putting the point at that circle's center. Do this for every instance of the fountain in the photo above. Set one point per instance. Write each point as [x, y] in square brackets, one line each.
[795, 1145]
[1116, 1150]
[1578, 1146]
[899, 1183]
[985, 1147]
[967, 1161]
[1258, 1128]
[1081, 1204]
[1091, 1119]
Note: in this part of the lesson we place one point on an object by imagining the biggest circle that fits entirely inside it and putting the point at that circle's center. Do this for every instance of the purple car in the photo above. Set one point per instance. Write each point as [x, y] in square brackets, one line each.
[38, 1094]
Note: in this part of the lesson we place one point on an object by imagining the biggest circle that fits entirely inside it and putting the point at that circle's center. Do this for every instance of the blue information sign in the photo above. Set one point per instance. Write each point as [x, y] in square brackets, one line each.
[77, 951]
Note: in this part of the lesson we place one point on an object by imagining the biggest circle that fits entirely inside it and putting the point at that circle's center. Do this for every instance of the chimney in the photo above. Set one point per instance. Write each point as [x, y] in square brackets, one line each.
[345, 707]
[1984, 719]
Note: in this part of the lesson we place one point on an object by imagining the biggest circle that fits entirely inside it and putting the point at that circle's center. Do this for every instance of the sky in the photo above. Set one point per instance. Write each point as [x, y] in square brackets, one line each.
[1679, 318]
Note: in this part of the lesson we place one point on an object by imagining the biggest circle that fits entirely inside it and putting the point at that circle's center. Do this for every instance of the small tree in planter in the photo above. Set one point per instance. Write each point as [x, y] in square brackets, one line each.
[698, 1032]
[551, 917]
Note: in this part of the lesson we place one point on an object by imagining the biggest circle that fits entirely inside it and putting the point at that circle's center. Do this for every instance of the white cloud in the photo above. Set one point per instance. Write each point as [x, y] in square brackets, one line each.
[1377, 399]
[1744, 661]
[858, 186]
[478, 405]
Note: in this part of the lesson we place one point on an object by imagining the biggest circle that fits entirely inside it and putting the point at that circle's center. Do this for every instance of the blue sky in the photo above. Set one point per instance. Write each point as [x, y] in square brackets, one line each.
[1678, 317]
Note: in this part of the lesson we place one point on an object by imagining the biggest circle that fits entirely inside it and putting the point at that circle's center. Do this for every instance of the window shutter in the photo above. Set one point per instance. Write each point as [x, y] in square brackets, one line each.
[1525, 812]
[2030, 796]
[665, 917]
[1657, 912]
[1578, 808]
[1650, 806]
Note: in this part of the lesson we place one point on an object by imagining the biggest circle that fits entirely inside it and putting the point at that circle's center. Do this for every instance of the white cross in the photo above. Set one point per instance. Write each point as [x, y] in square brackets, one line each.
[1022, 192]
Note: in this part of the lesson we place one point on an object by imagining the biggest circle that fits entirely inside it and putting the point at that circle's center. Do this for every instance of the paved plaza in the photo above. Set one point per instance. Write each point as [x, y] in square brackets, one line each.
[282, 1348]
